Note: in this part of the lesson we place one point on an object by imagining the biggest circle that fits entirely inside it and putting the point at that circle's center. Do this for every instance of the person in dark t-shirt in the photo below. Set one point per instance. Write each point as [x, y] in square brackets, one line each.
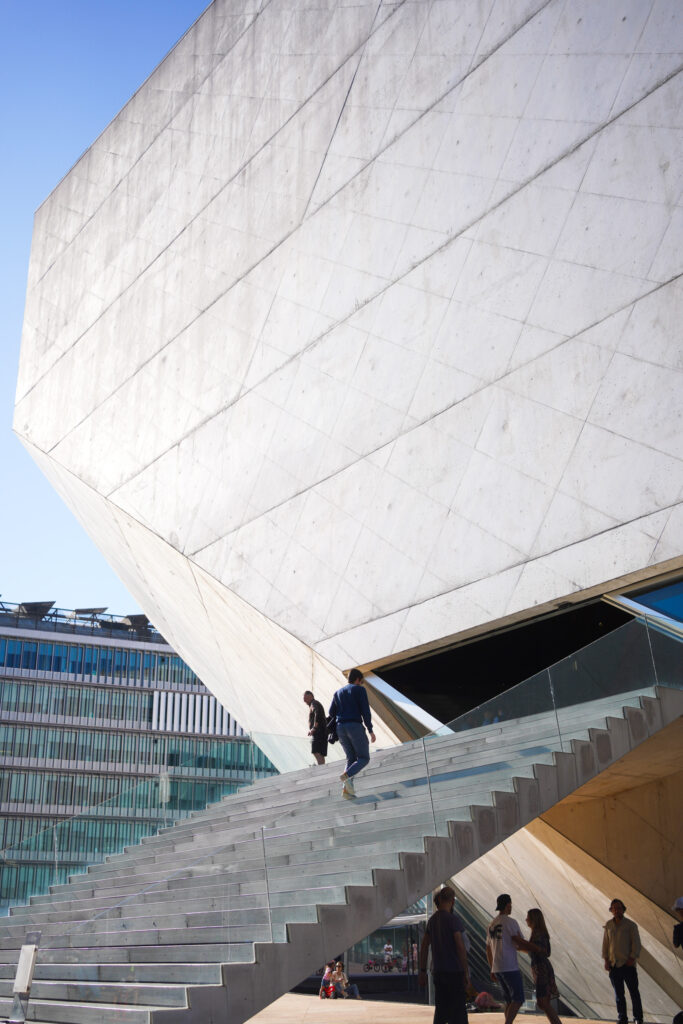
[445, 935]
[317, 727]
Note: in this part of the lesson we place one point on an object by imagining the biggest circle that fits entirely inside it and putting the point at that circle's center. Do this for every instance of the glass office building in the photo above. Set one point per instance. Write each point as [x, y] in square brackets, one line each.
[106, 735]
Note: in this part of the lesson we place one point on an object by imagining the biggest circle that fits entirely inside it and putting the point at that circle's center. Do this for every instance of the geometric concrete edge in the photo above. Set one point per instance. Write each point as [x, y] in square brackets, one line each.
[371, 313]
[249, 662]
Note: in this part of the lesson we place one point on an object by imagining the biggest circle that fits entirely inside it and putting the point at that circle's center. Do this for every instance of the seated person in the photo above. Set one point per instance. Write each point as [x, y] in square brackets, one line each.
[327, 989]
[341, 983]
[485, 1001]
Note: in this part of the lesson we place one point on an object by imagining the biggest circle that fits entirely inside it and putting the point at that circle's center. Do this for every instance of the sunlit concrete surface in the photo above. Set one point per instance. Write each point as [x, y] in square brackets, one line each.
[300, 1009]
[359, 327]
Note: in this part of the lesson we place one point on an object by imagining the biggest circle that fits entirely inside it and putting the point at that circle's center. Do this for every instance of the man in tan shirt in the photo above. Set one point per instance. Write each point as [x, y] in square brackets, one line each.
[620, 950]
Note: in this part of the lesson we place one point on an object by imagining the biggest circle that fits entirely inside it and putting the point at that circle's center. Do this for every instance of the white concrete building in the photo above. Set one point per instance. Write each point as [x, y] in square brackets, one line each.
[359, 329]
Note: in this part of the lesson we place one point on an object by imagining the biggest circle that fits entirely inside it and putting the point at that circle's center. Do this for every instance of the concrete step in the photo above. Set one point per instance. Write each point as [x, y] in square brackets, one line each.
[191, 904]
[202, 832]
[211, 953]
[340, 869]
[102, 929]
[140, 883]
[119, 992]
[151, 936]
[102, 973]
[57, 1012]
[375, 815]
[198, 899]
[168, 866]
[288, 865]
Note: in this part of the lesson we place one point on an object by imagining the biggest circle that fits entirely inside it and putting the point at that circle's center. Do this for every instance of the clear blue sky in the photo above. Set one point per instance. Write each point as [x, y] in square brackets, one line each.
[66, 68]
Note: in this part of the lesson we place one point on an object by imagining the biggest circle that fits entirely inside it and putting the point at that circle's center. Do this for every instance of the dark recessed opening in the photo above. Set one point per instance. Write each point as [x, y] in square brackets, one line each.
[448, 683]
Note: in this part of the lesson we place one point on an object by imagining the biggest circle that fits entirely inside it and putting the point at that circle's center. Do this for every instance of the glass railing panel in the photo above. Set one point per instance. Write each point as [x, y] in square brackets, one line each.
[326, 842]
[50, 855]
[246, 915]
[530, 698]
[207, 886]
[291, 753]
[496, 741]
[608, 675]
[666, 645]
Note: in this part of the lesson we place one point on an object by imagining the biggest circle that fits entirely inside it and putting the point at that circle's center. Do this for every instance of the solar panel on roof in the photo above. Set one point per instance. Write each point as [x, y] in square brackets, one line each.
[35, 609]
[138, 621]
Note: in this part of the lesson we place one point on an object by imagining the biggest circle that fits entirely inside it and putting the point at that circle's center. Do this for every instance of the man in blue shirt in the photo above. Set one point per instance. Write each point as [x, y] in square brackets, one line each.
[351, 708]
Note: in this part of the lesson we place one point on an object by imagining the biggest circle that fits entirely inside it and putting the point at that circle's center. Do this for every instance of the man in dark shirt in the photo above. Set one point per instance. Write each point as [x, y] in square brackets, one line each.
[444, 934]
[351, 708]
[317, 727]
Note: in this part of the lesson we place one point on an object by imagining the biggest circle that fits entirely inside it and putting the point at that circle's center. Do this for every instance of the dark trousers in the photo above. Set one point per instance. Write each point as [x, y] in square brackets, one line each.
[620, 976]
[449, 997]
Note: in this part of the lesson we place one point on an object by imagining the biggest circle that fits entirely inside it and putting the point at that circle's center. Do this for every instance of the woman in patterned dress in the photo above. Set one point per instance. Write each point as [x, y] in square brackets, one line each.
[538, 945]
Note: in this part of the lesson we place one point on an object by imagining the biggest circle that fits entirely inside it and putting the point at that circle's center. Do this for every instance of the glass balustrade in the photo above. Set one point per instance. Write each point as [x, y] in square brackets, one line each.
[290, 844]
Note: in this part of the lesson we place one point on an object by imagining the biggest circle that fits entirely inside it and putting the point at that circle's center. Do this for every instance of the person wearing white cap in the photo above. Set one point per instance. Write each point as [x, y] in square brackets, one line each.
[501, 954]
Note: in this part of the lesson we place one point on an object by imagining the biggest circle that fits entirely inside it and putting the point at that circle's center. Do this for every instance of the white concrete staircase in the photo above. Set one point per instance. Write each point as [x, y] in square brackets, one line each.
[213, 919]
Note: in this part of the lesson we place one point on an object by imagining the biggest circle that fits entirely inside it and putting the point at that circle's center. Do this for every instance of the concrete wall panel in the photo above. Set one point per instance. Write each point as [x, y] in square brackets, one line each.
[638, 833]
[370, 313]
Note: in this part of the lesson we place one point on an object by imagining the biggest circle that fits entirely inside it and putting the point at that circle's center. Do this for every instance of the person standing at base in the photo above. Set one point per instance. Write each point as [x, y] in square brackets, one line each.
[538, 945]
[351, 708]
[502, 956]
[678, 928]
[317, 727]
[444, 934]
[620, 950]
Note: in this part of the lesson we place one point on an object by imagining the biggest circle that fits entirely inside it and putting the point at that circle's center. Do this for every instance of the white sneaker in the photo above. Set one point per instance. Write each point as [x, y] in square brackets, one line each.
[348, 785]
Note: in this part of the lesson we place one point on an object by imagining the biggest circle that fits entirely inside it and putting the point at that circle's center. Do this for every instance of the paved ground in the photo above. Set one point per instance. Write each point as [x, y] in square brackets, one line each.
[300, 1009]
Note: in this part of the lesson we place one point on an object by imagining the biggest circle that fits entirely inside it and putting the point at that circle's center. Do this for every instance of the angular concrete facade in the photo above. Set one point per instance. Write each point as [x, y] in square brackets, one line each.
[359, 327]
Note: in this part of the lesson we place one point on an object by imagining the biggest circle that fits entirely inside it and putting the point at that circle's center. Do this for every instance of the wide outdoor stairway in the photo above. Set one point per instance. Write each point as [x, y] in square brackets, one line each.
[215, 918]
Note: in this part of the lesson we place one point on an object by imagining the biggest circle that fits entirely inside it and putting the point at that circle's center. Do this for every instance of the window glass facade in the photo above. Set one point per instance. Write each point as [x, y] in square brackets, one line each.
[86, 662]
[101, 745]
[667, 600]
[42, 698]
[101, 749]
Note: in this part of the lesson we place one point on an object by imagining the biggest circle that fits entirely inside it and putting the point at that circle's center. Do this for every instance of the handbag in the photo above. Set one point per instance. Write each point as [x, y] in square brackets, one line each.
[331, 727]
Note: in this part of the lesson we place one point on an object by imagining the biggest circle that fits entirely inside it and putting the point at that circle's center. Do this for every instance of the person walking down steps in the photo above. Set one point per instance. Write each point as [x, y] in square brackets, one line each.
[351, 708]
